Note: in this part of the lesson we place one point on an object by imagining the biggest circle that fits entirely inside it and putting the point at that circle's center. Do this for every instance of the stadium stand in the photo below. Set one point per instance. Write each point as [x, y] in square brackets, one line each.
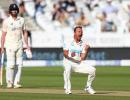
[47, 17]
[108, 15]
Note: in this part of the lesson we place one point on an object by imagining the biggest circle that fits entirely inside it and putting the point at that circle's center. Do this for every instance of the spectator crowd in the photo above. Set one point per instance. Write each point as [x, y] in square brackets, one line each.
[98, 15]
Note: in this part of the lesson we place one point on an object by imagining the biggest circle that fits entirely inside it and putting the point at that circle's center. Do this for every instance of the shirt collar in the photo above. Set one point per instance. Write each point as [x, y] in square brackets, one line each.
[11, 18]
[78, 42]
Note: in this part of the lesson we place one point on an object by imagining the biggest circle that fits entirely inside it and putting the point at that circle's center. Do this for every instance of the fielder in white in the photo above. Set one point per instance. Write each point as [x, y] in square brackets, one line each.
[12, 34]
[75, 52]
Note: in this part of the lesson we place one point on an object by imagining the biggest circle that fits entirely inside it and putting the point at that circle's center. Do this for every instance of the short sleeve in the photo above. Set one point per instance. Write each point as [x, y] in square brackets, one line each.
[83, 51]
[84, 46]
[4, 26]
[24, 25]
[65, 46]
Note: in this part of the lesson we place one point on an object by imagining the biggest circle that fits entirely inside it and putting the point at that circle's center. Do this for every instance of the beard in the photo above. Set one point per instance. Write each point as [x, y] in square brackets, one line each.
[14, 14]
[79, 38]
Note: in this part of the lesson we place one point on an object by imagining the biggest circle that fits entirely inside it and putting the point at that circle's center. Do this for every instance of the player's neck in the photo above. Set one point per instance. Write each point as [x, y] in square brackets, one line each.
[14, 17]
[76, 40]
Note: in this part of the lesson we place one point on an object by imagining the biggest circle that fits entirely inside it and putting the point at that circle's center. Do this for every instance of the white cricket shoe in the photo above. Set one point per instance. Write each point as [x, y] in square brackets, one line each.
[90, 90]
[17, 86]
[68, 92]
[9, 85]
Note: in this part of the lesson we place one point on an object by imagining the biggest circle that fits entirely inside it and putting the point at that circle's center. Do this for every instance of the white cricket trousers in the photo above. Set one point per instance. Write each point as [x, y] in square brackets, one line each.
[14, 65]
[80, 68]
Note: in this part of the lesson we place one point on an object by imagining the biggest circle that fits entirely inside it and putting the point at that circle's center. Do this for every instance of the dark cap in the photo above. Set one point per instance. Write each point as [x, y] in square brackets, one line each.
[13, 7]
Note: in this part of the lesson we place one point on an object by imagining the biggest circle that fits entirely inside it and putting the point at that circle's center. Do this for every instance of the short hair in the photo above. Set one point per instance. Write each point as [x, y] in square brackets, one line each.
[77, 27]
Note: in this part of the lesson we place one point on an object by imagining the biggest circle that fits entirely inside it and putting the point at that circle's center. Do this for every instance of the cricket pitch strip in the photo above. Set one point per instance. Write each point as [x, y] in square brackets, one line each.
[60, 91]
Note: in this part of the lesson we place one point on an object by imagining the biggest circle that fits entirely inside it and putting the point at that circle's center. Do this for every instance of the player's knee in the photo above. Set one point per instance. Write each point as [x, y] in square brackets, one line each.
[20, 65]
[67, 71]
[93, 71]
[11, 66]
[67, 68]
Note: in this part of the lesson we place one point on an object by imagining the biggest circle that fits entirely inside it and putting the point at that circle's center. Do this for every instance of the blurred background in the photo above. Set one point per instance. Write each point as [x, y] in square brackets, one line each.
[106, 25]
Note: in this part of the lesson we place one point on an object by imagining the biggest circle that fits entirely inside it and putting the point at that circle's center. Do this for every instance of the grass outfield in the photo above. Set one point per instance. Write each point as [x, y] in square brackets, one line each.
[107, 79]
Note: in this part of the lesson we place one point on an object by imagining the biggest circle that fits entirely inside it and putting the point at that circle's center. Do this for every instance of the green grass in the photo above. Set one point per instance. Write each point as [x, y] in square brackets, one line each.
[24, 96]
[107, 78]
[113, 78]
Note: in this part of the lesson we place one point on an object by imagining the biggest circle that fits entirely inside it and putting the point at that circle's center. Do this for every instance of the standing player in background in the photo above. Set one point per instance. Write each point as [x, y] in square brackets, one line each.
[75, 52]
[12, 34]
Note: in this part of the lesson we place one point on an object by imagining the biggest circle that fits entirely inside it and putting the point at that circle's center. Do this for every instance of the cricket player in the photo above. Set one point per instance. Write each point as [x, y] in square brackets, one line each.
[12, 37]
[75, 52]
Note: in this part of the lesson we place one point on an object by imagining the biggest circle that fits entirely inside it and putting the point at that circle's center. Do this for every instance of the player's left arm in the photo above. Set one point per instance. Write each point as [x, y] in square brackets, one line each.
[25, 35]
[3, 36]
[27, 50]
[85, 52]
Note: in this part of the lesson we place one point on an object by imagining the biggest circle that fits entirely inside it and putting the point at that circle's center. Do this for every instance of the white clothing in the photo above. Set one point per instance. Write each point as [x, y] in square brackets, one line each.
[70, 66]
[74, 47]
[14, 30]
[14, 57]
[14, 48]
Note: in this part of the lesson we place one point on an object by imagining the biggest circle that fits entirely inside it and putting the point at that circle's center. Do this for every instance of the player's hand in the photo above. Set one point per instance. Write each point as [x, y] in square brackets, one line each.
[2, 50]
[28, 48]
[77, 61]
[28, 53]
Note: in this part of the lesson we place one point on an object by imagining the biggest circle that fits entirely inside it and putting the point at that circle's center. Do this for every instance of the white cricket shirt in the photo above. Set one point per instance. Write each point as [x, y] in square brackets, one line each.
[74, 47]
[14, 30]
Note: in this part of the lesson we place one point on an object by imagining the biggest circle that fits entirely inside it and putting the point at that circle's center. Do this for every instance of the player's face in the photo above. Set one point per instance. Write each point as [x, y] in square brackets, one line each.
[78, 34]
[14, 13]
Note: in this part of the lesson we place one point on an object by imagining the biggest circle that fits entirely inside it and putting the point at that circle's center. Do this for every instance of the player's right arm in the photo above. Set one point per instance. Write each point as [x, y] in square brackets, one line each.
[4, 31]
[3, 41]
[66, 55]
[66, 47]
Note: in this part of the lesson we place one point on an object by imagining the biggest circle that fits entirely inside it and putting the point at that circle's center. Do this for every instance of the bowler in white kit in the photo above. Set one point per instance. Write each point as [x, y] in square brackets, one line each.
[75, 52]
